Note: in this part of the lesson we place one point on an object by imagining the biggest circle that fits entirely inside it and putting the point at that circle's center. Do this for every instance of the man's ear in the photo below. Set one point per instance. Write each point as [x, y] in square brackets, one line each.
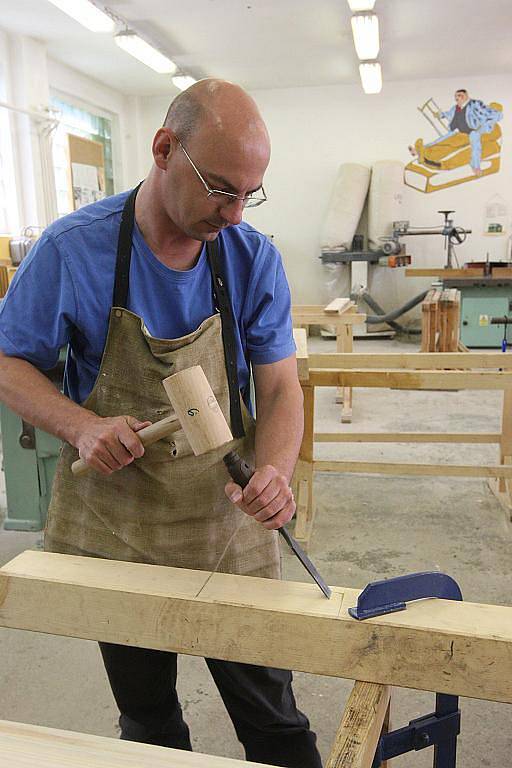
[163, 146]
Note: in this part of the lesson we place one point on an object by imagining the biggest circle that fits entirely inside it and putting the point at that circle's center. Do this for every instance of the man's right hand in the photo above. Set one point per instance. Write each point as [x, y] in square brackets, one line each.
[109, 444]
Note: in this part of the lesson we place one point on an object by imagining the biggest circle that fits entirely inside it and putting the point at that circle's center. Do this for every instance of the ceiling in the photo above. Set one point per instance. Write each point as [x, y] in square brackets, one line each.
[275, 43]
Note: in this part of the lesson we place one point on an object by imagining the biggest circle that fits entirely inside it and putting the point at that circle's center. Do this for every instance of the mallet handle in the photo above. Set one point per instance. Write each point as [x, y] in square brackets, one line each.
[147, 436]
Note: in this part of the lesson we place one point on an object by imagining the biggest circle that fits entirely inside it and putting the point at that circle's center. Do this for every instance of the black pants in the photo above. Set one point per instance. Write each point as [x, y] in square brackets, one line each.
[259, 700]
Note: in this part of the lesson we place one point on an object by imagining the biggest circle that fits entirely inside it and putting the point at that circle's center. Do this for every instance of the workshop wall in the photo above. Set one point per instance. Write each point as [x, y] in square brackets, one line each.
[314, 130]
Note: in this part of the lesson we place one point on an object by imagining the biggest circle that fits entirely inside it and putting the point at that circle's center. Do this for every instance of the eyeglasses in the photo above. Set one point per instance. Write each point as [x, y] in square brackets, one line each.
[249, 201]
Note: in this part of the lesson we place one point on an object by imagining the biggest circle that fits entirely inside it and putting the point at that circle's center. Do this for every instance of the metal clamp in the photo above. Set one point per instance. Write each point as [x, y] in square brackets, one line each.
[390, 595]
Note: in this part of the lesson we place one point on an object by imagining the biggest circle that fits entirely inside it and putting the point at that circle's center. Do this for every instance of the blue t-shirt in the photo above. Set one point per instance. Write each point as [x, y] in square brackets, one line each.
[62, 294]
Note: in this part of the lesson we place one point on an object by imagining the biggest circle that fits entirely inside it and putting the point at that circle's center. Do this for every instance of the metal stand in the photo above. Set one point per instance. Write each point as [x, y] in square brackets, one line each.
[440, 728]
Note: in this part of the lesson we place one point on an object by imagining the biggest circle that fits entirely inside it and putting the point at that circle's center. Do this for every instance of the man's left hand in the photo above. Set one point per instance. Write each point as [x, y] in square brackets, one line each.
[267, 497]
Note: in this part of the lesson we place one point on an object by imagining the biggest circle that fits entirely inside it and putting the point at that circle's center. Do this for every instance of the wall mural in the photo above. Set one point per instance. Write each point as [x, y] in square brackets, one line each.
[468, 145]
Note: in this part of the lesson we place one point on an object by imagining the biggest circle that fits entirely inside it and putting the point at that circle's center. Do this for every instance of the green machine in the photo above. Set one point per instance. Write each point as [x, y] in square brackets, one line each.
[482, 299]
[29, 462]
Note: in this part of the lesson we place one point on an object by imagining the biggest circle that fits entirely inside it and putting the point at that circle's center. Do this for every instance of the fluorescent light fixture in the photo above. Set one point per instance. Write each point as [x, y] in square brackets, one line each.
[361, 5]
[86, 14]
[365, 29]
[144, 52]
[183, 81]
[371, 77]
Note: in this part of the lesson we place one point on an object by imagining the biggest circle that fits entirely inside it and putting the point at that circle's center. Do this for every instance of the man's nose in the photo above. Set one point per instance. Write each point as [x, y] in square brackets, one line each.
[233, 211]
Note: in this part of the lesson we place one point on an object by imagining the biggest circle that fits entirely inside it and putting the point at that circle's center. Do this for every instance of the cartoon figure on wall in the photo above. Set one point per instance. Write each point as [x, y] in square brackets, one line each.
[468, 144]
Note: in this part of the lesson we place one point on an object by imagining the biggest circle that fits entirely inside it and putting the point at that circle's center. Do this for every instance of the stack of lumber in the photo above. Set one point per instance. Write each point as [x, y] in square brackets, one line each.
[440, 324]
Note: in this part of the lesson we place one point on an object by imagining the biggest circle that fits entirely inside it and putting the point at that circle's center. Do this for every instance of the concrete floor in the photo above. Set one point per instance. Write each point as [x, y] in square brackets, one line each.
[367, 528]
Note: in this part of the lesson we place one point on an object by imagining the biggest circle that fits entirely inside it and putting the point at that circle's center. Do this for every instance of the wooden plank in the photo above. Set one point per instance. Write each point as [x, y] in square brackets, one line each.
[359, 733]
[24, 746]
[480, 438]
[301, 342]
[447, 274]
[319, 318]
[450, 380]
[303, 475]
[338, 306]
[435, 645]
[423, 470]
[502, 272]
[411, 360]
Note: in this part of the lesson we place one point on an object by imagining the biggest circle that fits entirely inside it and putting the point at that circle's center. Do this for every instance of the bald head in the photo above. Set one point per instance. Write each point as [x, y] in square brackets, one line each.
[218, 106]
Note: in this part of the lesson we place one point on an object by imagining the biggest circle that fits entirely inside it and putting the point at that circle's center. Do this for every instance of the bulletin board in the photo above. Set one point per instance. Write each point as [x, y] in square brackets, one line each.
[87, 170]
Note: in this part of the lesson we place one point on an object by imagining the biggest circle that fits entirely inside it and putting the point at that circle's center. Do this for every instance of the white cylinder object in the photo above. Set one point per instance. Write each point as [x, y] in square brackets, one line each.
[345, 206]
[385, 201]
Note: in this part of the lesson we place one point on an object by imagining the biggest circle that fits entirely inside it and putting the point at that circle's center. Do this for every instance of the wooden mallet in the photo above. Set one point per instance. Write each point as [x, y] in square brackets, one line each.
[196, 412]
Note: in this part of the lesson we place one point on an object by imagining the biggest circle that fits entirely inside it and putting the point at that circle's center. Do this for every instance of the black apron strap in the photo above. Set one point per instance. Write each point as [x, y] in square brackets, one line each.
[220, 289]
[124, 251]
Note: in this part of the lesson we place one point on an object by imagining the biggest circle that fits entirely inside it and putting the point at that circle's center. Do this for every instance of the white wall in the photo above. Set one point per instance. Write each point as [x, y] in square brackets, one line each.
[313, 130]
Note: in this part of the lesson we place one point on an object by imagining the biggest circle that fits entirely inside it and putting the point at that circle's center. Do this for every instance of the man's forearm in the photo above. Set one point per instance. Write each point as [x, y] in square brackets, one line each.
[25, 390]
[279, 428]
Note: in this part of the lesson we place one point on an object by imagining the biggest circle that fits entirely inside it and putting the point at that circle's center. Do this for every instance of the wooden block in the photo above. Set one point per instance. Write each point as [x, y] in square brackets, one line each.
[301, 342]
[24, 746]
[363, 721]
[338, 306]
[436, 645]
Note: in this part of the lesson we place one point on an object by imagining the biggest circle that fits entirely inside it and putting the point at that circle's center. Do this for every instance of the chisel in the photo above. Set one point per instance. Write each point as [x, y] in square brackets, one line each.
[241, 473]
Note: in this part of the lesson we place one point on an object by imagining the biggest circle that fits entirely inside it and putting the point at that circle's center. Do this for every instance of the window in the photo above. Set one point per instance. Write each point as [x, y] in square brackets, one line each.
[9, 214]
[80, 122]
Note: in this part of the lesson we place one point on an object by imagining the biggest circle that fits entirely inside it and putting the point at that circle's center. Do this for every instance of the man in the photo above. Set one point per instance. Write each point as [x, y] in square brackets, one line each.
[140, 286]
[468, 116]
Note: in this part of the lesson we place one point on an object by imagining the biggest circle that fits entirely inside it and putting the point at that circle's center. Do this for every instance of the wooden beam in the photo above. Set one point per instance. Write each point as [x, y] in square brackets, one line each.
[359, 733]
[301, 342]
[32, 745]
[480, 438]
[411, 360]
[452, 380]
[435, 645]
[425, 470]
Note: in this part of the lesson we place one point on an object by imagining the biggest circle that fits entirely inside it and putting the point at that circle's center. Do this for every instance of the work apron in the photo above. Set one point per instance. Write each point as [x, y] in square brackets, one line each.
[168, 507]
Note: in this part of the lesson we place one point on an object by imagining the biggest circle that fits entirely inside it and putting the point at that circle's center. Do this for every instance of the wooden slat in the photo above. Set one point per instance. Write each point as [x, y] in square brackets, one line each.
[301, 342]
[455, 380]
[411, 360]
[338, 306]
[447, 274]
[408, 437]
[31, 746]
[423, 470]
[435, 645]
[320, 318]
[359, 733]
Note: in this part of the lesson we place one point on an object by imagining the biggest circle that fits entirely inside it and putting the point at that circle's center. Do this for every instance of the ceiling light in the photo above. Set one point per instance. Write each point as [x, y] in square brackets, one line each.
[371, 77]
[87, 14]
[183, 81]
[365, 29]
[361, 5]
[144, 52]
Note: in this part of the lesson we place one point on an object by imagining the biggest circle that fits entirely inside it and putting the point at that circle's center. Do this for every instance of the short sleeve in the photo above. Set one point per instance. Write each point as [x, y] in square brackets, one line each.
[267, 316]
[38, 313]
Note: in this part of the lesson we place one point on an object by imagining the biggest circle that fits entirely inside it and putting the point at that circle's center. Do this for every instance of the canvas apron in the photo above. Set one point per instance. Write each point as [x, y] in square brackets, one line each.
[168, 507]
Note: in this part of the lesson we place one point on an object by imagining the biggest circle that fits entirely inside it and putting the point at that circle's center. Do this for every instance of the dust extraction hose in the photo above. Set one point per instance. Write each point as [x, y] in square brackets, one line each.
[390, 317]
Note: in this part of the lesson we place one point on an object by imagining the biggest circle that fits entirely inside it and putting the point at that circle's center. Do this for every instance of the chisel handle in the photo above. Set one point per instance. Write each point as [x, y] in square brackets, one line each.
[147, 436]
